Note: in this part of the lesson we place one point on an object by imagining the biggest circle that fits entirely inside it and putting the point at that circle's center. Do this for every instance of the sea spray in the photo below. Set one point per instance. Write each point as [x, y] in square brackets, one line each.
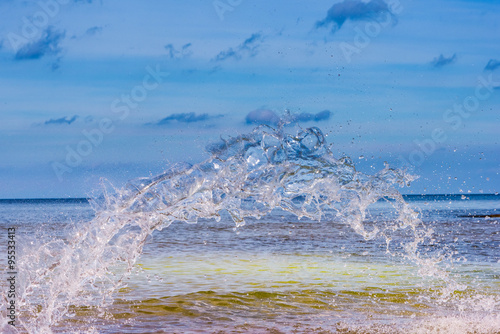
[246, 176]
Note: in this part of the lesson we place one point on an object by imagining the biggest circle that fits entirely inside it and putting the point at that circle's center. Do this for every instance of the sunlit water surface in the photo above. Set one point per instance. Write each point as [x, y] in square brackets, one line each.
[281, 274]
[272, 234]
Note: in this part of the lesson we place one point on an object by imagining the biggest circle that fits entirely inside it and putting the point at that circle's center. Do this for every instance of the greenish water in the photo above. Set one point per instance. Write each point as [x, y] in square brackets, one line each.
[282, 275]
[271, 234]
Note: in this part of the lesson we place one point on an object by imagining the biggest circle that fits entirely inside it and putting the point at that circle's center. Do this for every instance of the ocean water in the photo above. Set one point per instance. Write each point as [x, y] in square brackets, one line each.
[271, 235]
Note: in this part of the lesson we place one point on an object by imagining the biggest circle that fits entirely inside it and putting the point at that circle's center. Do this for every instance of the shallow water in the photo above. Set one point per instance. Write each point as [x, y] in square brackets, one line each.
[272, 234]
[280, 274]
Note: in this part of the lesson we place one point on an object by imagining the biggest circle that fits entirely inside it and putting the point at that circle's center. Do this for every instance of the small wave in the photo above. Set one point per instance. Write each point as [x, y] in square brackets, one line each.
[246, 176]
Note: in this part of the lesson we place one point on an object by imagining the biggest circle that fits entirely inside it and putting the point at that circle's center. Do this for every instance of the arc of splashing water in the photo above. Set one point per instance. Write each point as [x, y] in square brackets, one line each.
[301, 176]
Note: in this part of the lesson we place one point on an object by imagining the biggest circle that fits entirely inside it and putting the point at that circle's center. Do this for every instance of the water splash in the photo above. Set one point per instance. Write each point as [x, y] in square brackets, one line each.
[246, 176]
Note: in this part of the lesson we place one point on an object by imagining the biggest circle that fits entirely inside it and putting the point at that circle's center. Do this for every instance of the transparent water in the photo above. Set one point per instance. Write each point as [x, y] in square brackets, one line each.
[271, 235]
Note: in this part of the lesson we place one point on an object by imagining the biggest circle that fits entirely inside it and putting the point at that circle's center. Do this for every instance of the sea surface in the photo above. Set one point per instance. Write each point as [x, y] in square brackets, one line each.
[271, 234]
[280, 274]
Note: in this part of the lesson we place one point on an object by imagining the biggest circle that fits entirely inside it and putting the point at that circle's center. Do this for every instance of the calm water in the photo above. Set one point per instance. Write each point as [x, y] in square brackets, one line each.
[280, 274]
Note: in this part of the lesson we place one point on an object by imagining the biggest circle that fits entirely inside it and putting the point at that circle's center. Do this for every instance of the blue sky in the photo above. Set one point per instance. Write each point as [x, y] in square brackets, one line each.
[123, 89]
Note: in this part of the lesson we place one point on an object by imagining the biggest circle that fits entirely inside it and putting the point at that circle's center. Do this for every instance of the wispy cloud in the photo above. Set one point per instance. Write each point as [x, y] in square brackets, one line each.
[93, 31]
[62, 120]
[184, 52]
[492, 65]
[307, 117]
[269, 117]
[443, 61]
[56, 64]
[185, 118]
[262, 116]
[354, 10]
[48, 44]
[248, 48]
[87, 1]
